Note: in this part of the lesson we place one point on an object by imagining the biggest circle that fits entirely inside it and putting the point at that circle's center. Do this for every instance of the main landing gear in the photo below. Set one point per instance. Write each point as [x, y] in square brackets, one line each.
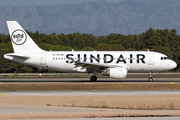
[93, 79]
[150, 77]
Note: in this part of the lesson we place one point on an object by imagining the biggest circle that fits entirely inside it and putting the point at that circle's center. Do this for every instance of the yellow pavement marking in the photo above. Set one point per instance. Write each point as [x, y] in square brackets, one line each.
[86, 83]
[1, 83]
[4, 95]
[172, 83]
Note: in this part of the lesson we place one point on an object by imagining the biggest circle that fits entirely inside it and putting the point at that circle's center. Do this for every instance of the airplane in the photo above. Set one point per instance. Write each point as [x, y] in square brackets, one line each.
[114, 64]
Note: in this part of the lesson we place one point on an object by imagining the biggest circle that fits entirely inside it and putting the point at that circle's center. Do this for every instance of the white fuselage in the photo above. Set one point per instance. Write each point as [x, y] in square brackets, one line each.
[134, 61]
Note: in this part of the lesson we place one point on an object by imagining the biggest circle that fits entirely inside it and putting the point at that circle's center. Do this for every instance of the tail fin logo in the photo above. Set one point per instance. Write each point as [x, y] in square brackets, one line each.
[18, 37]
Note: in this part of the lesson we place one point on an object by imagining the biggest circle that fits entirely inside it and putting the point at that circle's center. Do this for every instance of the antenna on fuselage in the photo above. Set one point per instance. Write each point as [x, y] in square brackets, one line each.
[148, 50]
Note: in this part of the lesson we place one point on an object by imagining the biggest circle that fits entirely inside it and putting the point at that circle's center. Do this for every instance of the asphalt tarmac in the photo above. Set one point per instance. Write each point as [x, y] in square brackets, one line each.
[31, 111]
[35, 110]
[44, 109]
[86, 93]
[117, 118]
[81, 80]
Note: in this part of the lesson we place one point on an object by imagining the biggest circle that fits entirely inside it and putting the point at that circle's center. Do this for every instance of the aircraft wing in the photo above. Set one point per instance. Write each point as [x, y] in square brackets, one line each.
[90, 67]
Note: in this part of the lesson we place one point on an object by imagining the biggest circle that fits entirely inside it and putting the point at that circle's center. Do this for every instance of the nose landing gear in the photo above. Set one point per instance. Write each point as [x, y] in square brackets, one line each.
[150, 77]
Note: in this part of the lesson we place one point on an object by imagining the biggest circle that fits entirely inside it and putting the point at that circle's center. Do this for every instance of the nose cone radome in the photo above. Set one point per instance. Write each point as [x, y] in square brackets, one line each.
[173, 64]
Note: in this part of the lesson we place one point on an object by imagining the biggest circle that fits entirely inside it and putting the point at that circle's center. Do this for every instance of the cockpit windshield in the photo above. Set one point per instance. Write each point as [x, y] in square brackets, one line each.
[165, 58]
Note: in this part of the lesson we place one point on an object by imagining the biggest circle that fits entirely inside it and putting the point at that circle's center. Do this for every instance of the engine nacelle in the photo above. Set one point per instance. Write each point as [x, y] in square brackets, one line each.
[116, 72]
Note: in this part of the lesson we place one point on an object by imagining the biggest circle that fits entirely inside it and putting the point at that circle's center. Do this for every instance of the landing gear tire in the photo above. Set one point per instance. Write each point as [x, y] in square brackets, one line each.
[150, 79]
[93, 79]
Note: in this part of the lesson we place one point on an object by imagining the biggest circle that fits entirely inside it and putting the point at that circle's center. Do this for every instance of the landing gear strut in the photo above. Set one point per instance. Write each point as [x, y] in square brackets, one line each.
[93, 79]
[150, 77]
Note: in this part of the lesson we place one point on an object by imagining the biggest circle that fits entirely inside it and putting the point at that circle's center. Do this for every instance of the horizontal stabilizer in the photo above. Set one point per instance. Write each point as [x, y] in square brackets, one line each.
[18, 56]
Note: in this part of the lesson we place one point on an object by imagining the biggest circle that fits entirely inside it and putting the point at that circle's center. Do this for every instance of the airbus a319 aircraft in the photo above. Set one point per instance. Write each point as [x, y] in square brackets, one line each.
[115, 64]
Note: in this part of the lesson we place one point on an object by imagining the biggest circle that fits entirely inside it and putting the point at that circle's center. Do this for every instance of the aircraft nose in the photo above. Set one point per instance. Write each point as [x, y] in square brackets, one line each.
[173, 64]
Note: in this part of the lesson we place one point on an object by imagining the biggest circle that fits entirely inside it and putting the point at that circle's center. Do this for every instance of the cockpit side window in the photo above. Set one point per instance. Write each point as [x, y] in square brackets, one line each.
[164, 58]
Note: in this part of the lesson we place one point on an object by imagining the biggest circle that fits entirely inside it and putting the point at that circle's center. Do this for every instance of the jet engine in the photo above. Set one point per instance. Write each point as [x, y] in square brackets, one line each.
[115, 72]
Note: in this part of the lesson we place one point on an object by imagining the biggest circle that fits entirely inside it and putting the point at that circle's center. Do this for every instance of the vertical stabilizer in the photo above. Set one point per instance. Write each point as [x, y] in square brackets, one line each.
[21, 41]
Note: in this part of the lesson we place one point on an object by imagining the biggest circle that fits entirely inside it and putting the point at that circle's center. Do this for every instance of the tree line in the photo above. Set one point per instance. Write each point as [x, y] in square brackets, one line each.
[164, 41]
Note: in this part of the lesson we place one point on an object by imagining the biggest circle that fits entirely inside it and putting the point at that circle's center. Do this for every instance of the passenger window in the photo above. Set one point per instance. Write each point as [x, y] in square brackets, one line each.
[164, 58]
[161, 58]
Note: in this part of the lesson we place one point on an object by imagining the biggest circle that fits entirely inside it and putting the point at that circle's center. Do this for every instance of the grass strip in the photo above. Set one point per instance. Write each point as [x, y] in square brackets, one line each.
[82, 86]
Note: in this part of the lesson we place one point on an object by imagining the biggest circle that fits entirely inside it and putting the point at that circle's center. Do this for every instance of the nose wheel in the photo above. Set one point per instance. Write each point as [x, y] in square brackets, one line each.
[150, 77]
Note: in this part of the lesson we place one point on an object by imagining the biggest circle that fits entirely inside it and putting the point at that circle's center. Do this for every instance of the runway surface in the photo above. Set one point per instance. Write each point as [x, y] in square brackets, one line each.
[83, 93]
[37, 111]
[17, 111]
[80, 80]
[69, 110]
[128, 118]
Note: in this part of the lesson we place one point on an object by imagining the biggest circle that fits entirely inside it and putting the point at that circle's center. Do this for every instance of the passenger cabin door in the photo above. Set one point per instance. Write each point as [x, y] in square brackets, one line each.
[43, 59]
